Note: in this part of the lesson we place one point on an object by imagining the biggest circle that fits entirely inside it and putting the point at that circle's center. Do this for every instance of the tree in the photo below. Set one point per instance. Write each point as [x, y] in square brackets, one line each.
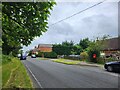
[84, 43]
[61, 49]
[95, 47]
[77, 49]
[22, 21]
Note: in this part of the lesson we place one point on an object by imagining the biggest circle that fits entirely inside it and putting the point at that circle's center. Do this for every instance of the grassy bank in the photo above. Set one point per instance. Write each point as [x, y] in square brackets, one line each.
[14, 74]
[43, 58]
[64, 61]
[0, 70]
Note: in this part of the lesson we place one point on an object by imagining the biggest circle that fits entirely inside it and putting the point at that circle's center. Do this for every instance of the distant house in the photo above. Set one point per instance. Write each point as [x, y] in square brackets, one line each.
[35, 50]
[112, 47]
[43, 48]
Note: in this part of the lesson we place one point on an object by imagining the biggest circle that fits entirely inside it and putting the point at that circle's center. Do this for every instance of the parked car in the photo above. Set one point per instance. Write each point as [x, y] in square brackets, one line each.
[19, 55]
[112, 66]
[23, 57]
[33, 56]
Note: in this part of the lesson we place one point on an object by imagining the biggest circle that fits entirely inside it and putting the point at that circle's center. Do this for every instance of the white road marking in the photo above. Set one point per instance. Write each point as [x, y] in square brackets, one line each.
[34, 76]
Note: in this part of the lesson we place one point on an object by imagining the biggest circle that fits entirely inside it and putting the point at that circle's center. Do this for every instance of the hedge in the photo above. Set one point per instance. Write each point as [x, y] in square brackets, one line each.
[50, 55]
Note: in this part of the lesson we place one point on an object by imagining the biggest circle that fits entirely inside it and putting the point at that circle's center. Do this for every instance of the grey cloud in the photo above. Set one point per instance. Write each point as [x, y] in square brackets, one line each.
[101, 24]
[94, 22]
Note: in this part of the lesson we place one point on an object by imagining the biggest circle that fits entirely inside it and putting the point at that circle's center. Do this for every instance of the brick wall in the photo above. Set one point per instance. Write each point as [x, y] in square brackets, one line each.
[45, 49]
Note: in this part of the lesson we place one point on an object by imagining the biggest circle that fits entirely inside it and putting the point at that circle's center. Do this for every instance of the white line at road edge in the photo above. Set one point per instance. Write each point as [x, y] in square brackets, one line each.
[34, 76]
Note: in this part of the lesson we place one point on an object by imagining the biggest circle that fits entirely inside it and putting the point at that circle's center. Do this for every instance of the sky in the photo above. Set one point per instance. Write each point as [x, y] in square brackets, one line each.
[97, 21]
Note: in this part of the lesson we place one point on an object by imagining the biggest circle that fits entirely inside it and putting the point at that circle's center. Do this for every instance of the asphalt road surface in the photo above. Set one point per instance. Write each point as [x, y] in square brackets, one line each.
[48, 74]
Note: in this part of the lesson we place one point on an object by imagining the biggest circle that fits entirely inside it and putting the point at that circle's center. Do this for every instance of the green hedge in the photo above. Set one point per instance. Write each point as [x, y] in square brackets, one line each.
[6, 59]
[101, 60]
[50, 55]
[39, 54]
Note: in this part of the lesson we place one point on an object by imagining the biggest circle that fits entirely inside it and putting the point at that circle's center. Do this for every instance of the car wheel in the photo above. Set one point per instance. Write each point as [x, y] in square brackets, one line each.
[109, 68]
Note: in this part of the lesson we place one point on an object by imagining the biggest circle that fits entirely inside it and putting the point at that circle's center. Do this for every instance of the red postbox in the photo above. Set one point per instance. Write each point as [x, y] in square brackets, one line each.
[94, 56]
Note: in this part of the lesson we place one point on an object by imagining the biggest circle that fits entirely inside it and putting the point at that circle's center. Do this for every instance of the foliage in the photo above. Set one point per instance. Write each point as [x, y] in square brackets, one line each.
[72, 57]
[109, 59]
[77, 49]
[50, 55]
[22, 21]
[94, 48]
[84, 43]
[6, 59]
[14, 74]
[84, 55]
[69, 44]
[61, 49]
[1, 45]
[39, 54]
[101, 60]
[67, 48]
[30, 53]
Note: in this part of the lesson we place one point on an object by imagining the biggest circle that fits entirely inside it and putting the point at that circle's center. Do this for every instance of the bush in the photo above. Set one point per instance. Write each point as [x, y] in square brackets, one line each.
[75, 57]
[101, 60]
[109, 59]
[39, 54]
[50, 55]
[6, 59]
[84, 55]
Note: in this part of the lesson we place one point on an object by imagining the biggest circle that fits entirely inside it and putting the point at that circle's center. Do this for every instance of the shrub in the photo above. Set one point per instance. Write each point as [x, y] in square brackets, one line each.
[6, 59]
[84, 55]
[76, 57]
[101, 60]
[50, 55]
[91, 52]
[39, 54]
[109, 59]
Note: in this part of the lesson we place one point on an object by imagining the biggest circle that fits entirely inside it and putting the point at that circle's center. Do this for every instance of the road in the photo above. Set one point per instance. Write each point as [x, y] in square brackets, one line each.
[48, 74]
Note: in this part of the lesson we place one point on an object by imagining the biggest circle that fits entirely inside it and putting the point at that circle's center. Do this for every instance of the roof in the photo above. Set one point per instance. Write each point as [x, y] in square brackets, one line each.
[45, 45]
[112, 44]
[35, 50]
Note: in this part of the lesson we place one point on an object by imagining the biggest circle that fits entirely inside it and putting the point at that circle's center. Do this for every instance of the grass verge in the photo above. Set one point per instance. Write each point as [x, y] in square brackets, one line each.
[0, 70]
[64, 61]
[14, 74]
[43, 59]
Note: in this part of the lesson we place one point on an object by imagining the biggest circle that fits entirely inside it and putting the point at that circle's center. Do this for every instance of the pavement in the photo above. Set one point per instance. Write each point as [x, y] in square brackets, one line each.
[48, 74]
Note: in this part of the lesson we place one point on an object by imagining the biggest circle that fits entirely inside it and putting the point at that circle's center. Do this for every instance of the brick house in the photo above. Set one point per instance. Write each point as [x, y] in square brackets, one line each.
[43, 48]
[112, 47]
[35, 50]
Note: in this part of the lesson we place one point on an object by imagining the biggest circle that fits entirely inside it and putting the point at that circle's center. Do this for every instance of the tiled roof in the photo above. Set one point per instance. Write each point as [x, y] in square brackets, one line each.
[45, 45]
[112, 44]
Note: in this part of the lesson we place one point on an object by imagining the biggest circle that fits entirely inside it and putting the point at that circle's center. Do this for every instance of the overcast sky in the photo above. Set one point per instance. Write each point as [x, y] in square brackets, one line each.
[97, 21]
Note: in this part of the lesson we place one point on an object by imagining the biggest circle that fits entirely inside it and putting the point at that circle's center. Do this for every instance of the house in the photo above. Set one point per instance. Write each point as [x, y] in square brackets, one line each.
[42, 48]
[112, 47]
[35, 50]
[45, 47]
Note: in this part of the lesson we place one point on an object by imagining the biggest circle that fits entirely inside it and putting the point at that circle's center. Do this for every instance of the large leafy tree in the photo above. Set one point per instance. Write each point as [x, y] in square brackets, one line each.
[84, 43]
[67, 48]
[22, 21]
[77, 49]
[96, 46]
[61, 49]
